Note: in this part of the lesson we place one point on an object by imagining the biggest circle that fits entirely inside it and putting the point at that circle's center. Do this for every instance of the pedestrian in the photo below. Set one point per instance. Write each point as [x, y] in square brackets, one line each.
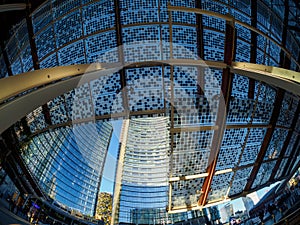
[28, 215]
[10, 203]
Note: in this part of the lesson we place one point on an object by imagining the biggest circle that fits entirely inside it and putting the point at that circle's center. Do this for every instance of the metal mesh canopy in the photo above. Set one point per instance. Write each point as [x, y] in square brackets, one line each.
[229, 116]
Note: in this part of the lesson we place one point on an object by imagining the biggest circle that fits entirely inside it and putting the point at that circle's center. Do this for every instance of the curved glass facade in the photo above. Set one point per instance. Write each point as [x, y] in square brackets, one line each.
[68, 163]
[174, 132]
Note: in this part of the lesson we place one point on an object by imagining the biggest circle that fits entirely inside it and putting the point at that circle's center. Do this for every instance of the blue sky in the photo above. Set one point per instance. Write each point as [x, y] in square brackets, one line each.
[111, 159]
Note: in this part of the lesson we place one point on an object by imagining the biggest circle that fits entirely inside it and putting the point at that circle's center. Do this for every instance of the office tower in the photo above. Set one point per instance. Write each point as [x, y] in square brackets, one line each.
[68, 163]
[142, 181]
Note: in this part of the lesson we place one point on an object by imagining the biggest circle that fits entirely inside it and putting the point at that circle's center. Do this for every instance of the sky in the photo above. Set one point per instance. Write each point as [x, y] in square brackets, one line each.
[107, 182]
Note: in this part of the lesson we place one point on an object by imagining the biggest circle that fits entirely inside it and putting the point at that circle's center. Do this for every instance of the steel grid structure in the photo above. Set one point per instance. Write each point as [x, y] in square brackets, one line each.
[257, 122]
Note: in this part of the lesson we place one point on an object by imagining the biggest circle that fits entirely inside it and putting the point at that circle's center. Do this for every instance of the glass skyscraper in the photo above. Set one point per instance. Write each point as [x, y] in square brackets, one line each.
[143, 167]
[68, 163]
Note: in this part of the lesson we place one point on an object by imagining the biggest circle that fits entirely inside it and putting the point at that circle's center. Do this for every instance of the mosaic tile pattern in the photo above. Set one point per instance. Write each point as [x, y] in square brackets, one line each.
[131, 14]
[228, 157]
[263, 16]
[69, 101]
[98, 16]
[184, 40]
[186, 192]
[57, 108]
[214, 7]
[231, 148]
[287, 110]
[45, 42]
[265, 104]
[263, 174]
[50, 61]
[241, 16]
[274, 52]
[239, 181]
[189, 163]
[254, 142]
[191, 152]
[82, 103]
[242, 5]
[191, 107]
[219, 186]
[16, 66]
[291, 145]
[214, 22]
[141, 43]
[267, 93]
[73, 22]
[25, 55]
[280, 171]
[36, 120]
[61, 8]
[240, 86]
[276, 144]
[212, 82]
[87, 34]
[145, 88]
[106, 99]
[242, 51]
[240, 110]
[72, 54]
[260, 57]
[3, 70]
[179, 17]
[18, 49]
[42, 17]
[139, 12]
[234, 137]
[213, 45]
[102, 48]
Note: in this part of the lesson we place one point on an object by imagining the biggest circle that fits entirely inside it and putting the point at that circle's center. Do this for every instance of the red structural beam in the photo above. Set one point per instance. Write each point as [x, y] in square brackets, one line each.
[226, 87]
[253, 47]
[267, 139]
[34, 55]
[293, 157]
[122, 72]
[5, 57]
[285, 62]
[200, 50]
[286, 144]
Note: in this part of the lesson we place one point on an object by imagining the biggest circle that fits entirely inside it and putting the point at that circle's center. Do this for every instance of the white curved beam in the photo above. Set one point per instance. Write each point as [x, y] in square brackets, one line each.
[50, 83]
[12, 7]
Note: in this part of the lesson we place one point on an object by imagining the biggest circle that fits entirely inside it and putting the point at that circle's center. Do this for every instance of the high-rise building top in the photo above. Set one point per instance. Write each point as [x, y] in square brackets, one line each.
[143, 182]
